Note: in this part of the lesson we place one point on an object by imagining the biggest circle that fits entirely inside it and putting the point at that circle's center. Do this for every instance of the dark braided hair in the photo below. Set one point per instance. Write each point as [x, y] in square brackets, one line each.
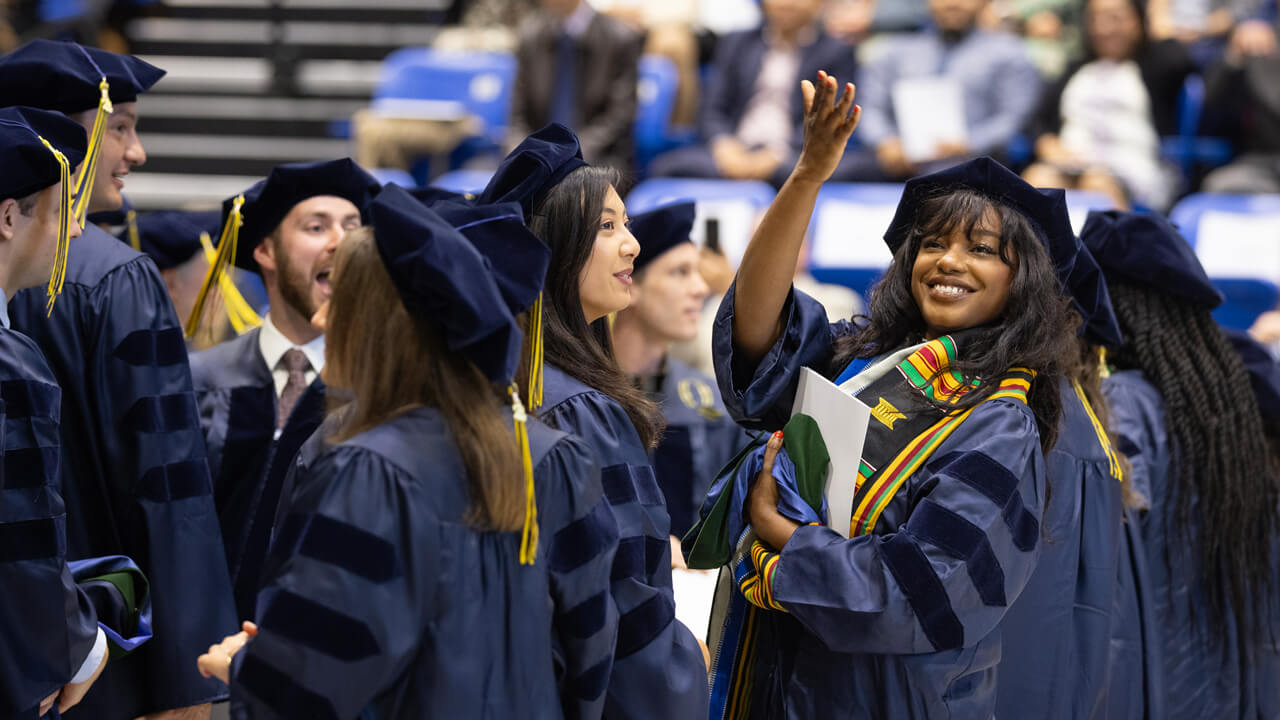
[1222, 464]
[1037, 329]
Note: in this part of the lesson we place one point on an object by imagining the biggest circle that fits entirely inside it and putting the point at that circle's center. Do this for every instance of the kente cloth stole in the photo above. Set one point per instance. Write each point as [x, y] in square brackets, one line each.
[904, 432]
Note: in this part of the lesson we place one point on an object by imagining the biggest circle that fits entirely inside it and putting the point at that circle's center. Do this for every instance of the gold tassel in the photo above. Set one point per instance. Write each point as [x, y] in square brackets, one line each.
[89, 169]
[529, 535]
[225, 255]
[131, 226]
[239, 311]
[1104, 371]
[59, 273]
[535, 354]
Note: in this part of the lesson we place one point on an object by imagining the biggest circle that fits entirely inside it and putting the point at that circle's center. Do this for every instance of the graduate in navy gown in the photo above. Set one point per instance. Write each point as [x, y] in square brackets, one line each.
[1188, 420]
[134, 476]
[418, 570]
[658, 669]
[667, 297]
[961, 358]
[260, 394]
[1056, 654]
[52, 649]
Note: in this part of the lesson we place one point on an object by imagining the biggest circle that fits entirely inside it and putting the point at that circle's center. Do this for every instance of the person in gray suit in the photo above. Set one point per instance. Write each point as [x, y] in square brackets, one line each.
[578, 67]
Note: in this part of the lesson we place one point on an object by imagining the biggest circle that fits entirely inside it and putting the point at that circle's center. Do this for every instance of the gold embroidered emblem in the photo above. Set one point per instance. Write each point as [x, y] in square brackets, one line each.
[887, 413]
[697, 395]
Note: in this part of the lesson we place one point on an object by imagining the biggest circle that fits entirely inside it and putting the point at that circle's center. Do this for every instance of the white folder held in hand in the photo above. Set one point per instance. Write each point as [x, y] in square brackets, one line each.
[929, 111]
[842, 420]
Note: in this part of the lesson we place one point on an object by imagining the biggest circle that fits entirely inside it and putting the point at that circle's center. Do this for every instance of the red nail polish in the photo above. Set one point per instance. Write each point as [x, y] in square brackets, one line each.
[778, 434]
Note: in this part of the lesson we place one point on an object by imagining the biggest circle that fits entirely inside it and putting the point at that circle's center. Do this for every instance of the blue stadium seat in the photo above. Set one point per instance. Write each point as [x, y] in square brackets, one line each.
[463, 181]
[1237, 238]
[846, 235]
[655, 99]
[733, 205]
[477, 84]
[394, 175]
[1188, 149]
[1080, 202]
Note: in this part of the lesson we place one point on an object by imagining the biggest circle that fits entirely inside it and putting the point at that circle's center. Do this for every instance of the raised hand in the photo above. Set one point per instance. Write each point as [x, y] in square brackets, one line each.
[828, 123]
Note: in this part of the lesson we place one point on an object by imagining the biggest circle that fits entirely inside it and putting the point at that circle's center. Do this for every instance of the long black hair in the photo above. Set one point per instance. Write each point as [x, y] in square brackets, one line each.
[1036, 330]
[567, 219]
[1224, 481]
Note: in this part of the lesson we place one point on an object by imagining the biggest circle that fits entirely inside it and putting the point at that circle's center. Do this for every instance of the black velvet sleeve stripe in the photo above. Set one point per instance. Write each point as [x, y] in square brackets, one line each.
[29, 540]
[176, 481]
[29, 467]
[319, 628]
[963, 540]
[577, 543]
[592, 683]
[152, 348]
[24, 398]
[350, 548]
[924, 591]
[641, 625]
[631, 483]
[588, 617]
[278, 691]
[629, 560]
[162, 414]
[656, 552]
[1000, 486]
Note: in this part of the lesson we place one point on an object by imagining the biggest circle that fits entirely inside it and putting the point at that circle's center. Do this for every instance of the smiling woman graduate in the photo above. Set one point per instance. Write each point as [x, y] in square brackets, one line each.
[967, 339]
[658, 669]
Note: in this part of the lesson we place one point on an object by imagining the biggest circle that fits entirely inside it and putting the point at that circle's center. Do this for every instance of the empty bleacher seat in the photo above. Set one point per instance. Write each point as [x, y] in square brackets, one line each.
[1237, 238]
[655, 99]
[731, 207]
[433, 83]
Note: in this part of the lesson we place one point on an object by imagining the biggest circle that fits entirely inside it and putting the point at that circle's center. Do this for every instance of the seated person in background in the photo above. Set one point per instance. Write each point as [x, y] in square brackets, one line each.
[1201, 25]
[579, 68]
[849, 20]
[1242, 102]
[667, 296]
[998, 86]
[668, 31]
[1099, 128]
[752, 121]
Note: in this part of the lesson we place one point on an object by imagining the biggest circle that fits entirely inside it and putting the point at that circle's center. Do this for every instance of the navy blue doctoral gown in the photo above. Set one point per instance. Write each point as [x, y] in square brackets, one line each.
[1197, 678]
[380, 601]
[904, 622]
[47, 625]
[237, 399]
[658, 670]
[133, 467]
[699, 439]
[1057, 636]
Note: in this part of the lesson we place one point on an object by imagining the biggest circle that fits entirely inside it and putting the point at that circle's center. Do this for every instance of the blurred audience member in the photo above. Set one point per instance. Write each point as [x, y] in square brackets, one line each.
[752, 120]
[998, 87]
[1242, 101]
[1202, 25]
[578, 67]
[849, 20]
[1099, 128]
[668, 30]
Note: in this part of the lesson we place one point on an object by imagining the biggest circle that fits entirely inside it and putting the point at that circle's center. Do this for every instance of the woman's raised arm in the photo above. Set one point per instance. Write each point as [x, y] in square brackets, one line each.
[769, 264]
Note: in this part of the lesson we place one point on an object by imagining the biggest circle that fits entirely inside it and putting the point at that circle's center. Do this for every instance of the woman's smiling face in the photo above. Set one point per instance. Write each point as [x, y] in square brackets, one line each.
[959, 280]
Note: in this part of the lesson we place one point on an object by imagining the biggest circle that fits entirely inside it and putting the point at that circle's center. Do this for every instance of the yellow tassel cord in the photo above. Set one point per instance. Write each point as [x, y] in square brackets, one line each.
[89, 169]
[225, 255]
[1104, 370]
[239, 311]
[64, 228]
[529, 536]
[535, 354]
[131, 227]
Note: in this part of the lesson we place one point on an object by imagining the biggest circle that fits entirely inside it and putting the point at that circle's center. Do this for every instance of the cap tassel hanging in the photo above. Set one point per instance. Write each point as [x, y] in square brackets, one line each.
[217, 268]
[535, 354]
[529, 535]
[89, 169]
[131, 227]
[59, 273]
[239, 311]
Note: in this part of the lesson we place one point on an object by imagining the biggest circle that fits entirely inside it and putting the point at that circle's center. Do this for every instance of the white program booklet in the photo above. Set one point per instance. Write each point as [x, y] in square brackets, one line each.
[842, 419]
[929, 111]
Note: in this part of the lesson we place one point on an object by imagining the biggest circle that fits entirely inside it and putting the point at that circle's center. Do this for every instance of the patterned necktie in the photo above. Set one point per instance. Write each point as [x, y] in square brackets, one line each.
[295, 361]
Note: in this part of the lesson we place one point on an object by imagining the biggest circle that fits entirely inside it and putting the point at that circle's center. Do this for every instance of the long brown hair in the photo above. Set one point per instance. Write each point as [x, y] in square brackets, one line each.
[567, 220]
[386, 362]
